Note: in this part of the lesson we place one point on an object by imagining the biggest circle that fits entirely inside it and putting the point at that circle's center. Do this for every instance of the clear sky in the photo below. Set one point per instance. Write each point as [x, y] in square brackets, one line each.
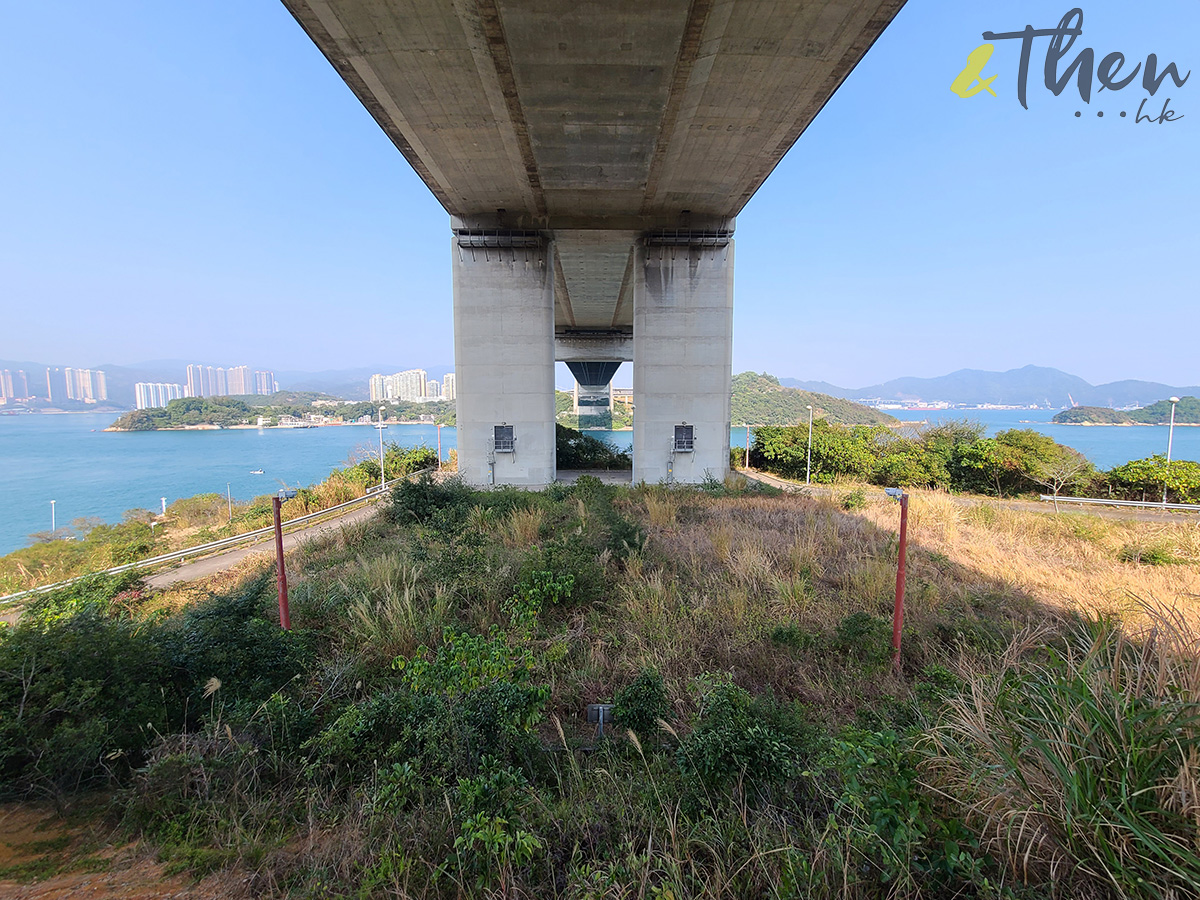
[195, 181]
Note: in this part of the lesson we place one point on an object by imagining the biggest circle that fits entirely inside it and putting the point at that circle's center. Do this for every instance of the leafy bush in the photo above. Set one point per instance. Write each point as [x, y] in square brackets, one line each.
[423, 501]
[865, 637]
[741, 739]
[641, 704]
[854, 500]
[230, 639]
[400, 461]
[80, 695]
[580, 451]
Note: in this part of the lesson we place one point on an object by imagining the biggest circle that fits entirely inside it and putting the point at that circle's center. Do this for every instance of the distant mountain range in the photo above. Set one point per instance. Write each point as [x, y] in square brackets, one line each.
[1026, 386]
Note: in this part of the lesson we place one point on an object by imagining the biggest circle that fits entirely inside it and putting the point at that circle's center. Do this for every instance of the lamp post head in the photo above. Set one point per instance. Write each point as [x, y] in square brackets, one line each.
[1173, 399]
[809, 406]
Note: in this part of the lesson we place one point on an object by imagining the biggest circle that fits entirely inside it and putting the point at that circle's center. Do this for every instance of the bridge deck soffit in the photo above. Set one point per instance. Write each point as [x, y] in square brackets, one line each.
[593, 113]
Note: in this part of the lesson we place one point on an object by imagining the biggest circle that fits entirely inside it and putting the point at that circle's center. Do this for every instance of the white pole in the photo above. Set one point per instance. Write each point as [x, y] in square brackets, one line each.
[164, 505]
[53, 526]
[381, 478]
[808, 453]
[1170, 439]
[229, 500]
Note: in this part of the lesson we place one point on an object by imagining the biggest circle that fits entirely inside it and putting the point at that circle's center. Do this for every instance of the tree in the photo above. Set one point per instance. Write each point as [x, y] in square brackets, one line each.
[1066, 469]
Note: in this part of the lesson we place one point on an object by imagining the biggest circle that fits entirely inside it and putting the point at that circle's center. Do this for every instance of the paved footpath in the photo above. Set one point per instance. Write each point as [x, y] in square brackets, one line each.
[210, 565]
[1038, 506]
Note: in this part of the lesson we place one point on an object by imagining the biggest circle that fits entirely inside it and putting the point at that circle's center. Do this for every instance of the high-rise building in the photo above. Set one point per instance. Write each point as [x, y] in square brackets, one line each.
[448, 389]
[410, 384]
[100, 384]
[264, 383]
[49, 391]
[24, 384]
[149, 395]
[195, 381]
[6, 385]
[433, 390]
[79, 384]
[238, 380]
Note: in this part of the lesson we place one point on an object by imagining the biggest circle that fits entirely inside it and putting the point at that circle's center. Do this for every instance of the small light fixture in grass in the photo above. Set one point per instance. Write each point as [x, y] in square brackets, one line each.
[598, 714]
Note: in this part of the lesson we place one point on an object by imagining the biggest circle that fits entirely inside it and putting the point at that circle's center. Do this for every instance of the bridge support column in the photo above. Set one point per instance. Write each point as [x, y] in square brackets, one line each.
[504, 359]
[682, 360]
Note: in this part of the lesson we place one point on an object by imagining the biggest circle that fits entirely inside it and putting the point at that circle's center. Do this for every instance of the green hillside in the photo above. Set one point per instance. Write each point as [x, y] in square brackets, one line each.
[1187, 412]
[762, 400]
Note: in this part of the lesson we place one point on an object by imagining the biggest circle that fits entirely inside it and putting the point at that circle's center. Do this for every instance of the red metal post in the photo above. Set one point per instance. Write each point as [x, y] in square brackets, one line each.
[285, 618]
[898, 614]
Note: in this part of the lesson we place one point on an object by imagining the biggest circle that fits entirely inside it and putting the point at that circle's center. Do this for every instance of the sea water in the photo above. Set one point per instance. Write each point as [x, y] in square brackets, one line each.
[91, 473]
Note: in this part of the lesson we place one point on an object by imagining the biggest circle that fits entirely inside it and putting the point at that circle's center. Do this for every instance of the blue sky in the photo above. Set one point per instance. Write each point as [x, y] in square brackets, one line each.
[195, 181]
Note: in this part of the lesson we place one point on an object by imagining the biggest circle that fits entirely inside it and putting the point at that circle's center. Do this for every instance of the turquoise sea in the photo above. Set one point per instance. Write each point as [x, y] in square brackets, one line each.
[93, 473]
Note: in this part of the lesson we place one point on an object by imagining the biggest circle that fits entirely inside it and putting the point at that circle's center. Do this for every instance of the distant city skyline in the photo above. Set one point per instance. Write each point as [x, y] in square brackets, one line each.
[909, 232]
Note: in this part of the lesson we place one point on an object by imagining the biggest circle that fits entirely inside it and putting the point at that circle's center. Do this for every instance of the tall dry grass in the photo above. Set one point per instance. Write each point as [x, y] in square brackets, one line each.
[1080, 764]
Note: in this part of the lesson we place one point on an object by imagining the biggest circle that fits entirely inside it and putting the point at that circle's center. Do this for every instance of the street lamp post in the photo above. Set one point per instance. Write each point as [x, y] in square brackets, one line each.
[381, 478]
[1170, 439]
[808, 452]
[229, 500]
[53, 526]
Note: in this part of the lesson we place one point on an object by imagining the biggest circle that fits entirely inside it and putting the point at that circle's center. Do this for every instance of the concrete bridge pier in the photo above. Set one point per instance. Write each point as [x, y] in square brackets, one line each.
[504, 357]
[682, 357]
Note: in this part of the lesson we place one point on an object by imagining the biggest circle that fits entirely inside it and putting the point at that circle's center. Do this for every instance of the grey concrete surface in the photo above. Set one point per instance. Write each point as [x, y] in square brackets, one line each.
[504, 362]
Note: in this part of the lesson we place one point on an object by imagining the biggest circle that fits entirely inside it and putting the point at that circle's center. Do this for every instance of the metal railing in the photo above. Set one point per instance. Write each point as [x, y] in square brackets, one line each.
[373, 493]
[1141, 504]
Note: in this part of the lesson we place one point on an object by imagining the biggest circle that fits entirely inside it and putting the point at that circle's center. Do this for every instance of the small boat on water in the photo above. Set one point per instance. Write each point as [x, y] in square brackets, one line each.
[256, 471]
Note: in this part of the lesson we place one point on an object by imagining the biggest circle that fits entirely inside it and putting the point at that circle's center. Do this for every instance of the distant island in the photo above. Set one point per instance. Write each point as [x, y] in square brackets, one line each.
[1187, 412]
[285, 409]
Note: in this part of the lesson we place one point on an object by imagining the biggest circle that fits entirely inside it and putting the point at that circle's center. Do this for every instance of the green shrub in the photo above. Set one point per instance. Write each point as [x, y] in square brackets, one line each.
[641, 704]
[80, 693]
[856, 499]
[423, 501]
[865, 637]
[740, 739]
[230, 639]
[793, 637]
[1149, 555]
[580, 451]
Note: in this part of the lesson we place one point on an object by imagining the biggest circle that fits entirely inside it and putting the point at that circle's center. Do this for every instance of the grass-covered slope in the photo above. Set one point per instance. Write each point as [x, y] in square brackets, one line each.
[761, 400]
[422, 733]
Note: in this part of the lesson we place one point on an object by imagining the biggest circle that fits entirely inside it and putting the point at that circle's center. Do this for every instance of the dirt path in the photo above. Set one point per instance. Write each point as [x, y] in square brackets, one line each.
[1117, 513]
[46, 857]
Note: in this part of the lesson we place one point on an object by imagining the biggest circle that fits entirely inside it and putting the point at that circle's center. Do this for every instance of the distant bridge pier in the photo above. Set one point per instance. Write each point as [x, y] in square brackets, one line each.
[504, 357]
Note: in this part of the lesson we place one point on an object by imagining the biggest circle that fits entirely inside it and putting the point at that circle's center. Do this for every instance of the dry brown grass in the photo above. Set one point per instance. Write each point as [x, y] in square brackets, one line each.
[1068, 561]
[523, 527]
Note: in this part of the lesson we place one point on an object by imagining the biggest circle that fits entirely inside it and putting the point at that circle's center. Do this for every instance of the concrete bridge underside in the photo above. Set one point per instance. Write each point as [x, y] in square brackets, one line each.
[592, 155]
